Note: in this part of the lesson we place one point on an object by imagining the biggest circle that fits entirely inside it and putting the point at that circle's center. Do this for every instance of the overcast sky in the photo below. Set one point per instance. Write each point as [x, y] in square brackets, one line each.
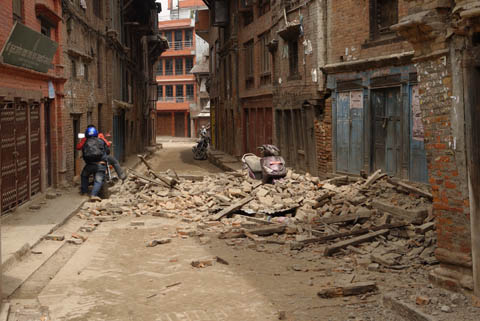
[165, 13]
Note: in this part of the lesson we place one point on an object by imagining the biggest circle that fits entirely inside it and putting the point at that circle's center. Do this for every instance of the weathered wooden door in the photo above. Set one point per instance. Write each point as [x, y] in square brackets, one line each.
[387, 132]
[418, 159]
[35, 145]
[349, 138]
[179, 119]
[14, 155]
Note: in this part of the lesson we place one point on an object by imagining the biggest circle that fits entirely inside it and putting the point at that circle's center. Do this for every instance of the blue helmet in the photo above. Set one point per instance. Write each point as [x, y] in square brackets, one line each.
[91, 132]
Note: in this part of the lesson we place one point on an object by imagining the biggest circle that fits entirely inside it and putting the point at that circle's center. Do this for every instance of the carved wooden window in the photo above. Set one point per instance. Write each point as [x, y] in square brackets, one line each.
[293, 57]
[249, 64]
[383, 14]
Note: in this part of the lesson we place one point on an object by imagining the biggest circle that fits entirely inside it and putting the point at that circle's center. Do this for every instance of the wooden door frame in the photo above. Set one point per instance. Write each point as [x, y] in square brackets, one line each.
[371, 110]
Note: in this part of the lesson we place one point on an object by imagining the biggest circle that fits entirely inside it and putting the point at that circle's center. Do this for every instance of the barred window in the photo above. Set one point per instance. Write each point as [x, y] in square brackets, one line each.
[169, 92]
[179, 93]
[188, 64]
[293, 57]
[188, 38]
[168, 67]
[190, 94]
[179, 66]
[178, 40]
[159, 92]
[160, 67]
[383, 14]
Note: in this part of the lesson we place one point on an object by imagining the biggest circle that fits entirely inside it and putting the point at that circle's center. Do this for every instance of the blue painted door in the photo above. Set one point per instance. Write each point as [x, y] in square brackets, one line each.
[418, 159]
[387, 140]
[349, 140]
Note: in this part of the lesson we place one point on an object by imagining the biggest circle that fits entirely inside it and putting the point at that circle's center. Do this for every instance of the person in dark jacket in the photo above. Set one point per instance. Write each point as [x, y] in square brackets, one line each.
[111, 160]
[96, 165]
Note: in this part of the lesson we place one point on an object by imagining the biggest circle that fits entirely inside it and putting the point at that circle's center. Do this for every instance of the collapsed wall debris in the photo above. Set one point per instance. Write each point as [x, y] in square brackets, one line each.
[388, 221]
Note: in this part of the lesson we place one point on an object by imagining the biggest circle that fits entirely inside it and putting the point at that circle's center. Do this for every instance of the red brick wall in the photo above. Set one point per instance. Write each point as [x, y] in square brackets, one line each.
[447, 174]
[323, 136]
[349, 29]
[19, 79]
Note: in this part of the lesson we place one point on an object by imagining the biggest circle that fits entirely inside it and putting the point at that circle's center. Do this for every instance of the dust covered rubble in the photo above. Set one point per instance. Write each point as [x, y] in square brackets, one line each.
[385, 222]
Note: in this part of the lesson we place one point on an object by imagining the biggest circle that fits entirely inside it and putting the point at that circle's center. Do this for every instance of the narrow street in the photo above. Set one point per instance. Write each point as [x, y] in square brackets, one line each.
[110, 268]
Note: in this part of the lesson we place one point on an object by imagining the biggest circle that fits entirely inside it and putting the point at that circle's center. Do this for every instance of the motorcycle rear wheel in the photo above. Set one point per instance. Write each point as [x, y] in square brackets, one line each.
[200, 154]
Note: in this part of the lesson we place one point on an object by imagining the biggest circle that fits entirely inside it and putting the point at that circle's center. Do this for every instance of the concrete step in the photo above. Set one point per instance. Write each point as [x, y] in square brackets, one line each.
[396, 310]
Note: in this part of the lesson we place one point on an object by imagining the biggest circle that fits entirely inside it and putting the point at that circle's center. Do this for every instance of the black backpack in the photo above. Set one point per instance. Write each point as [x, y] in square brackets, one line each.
[94, 150]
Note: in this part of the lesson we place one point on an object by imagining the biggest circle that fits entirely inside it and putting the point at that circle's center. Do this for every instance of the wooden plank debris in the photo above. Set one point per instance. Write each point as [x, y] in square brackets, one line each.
[347, 218]
[231, 208]
[361, 231]
[170, 181]
[347, 290]
[372, 178]
[410, 188]
[422, 229]
[329, 250]
[152, 181]
[416, 216]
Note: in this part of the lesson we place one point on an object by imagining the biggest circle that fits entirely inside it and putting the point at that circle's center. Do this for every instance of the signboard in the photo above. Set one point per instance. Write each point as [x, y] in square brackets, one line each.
[29, 49]
[356, 99]
[417, 126]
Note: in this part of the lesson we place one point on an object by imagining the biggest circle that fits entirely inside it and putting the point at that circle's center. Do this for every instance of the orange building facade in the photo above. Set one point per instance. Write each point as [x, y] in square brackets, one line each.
[176, 86]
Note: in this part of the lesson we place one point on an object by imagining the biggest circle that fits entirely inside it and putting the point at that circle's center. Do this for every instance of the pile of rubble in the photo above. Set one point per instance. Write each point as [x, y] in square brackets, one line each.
[375, 216]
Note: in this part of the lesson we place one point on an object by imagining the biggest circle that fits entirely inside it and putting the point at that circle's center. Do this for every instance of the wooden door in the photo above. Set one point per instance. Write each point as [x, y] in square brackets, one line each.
[387, 137]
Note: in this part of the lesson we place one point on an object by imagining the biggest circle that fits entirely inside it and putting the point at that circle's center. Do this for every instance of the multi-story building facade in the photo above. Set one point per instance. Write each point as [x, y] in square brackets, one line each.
[31, 100]
[175, 83]
[396, 91]
[179, 101]
[66, 64]
[445, 37]
[109, 79]
[265, 81]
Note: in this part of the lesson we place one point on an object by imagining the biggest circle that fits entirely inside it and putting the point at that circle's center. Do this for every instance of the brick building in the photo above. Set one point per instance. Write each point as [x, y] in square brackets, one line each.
[265, 81]
[178, 96]
[302, 123]
[176, 84]
[375, 107]
[31, 100]
[445, 38]
[65, 64]
[109, 77]
[240, 92]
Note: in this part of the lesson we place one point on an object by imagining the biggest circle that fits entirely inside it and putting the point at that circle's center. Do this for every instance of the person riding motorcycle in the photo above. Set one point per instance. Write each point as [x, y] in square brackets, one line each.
[94, 153]
[110, 159]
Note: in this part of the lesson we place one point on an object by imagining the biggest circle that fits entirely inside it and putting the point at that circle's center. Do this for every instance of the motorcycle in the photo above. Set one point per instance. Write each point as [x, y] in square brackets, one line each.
[200, 150]
[269, 167]
[109, 180]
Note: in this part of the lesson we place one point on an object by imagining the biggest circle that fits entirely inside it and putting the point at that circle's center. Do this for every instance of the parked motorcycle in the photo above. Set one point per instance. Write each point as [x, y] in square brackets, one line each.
[200, 150]
[269, 167]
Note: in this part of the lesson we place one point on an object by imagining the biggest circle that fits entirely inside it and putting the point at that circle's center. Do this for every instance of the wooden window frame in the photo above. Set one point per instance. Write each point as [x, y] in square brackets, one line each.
[376, 30]
[293, 58]
[178, 71]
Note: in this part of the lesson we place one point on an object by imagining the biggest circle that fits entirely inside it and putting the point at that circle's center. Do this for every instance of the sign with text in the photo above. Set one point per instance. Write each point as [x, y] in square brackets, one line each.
[29, 49]
[417, 126]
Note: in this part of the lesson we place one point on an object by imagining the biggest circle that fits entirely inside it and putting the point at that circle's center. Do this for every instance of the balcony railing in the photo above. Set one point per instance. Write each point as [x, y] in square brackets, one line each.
[179, 99]
[180, 45]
